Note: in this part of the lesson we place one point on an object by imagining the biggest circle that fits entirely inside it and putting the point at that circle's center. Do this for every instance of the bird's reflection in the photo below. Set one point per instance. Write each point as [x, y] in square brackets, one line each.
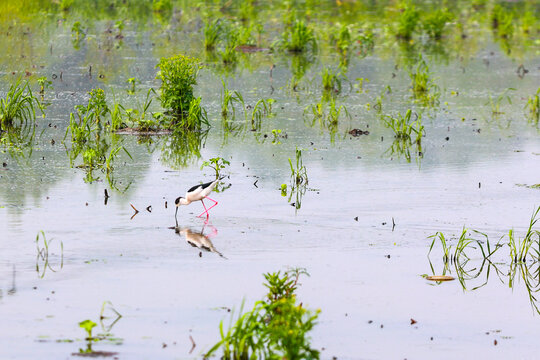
[199, 239]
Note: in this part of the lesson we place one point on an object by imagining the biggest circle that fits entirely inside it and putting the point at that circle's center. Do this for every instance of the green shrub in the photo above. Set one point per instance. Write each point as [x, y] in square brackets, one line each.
[178, 75]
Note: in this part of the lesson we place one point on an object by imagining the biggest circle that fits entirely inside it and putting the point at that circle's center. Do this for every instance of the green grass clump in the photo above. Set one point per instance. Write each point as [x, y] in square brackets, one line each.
[423, 88]
[435, 22]
[407, 21]
[178, 75]
[298, 171]
[228, 100]
[276, 328]
[92, 137]
[211, 31]
[404, 127]
[19, 106]
[331, 81]
[299, 37]
[261, 109]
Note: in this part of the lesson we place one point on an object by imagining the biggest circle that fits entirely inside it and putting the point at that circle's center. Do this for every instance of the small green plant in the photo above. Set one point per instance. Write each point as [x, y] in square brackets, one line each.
[228, 100]
[435, 22]
[407, 21]
[212, 32]
[327, 114]
[283, 189]
[139, 118]
[404, 127]
[299, 174]
[495, 103]
[276, 328]
[43, 83]
[298, 37]
[533, 105]
[276, 133]
[422, 85]
[88, 326]
[19, 106]
[360, 85]
[178, 75]
[77, 31]
[229, 54]
[132, 82]
[217, 164]
[262, 108]
[331, 81]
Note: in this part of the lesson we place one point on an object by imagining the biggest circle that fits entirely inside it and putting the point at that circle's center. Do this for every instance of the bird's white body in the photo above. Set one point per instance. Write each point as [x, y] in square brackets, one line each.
[197, 193]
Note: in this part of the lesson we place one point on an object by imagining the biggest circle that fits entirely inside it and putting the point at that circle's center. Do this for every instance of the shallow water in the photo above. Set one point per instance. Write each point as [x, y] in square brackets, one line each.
[365, 275]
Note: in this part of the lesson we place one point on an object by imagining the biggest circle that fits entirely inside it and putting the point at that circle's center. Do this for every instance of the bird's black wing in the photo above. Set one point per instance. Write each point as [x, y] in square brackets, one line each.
[204, 186]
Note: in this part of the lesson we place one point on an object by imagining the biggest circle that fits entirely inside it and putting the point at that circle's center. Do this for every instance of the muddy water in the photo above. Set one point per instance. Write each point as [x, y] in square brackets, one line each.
[365, 275]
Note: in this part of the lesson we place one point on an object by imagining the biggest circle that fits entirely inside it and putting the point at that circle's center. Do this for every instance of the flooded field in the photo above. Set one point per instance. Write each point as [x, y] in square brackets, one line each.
[375, 146]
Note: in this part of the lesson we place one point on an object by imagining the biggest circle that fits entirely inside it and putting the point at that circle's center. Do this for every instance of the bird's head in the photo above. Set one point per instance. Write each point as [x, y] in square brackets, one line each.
[178, 201]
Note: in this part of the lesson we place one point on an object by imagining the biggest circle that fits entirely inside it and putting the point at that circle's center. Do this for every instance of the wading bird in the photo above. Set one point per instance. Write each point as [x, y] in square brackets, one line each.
[196, 193]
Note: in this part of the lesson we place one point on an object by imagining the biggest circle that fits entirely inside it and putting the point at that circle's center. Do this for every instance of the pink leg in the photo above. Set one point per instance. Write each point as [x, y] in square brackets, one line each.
[205, 210]
[215, 202]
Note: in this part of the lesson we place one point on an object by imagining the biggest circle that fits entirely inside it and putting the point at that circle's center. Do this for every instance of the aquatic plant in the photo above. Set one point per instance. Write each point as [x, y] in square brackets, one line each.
[404, 127]
[435, 22]
[139, 118]
[92, 136]
[298, 171]
[407, 20]
[262, 108]
[88, 326]
[331, 81]
[228, 100]
[212, 31]
[327, 114]
[178, 75]
[132, 82]
[495, 103]
[217, 164]
[276, 133]
[19, 106]
[43, 83]
[422, 85]
[533, 105]
[298, 37]
[77, 31]
[276, 327]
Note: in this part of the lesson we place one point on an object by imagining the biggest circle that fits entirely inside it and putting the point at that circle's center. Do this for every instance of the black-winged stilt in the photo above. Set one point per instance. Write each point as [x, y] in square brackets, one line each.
[196, 193]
